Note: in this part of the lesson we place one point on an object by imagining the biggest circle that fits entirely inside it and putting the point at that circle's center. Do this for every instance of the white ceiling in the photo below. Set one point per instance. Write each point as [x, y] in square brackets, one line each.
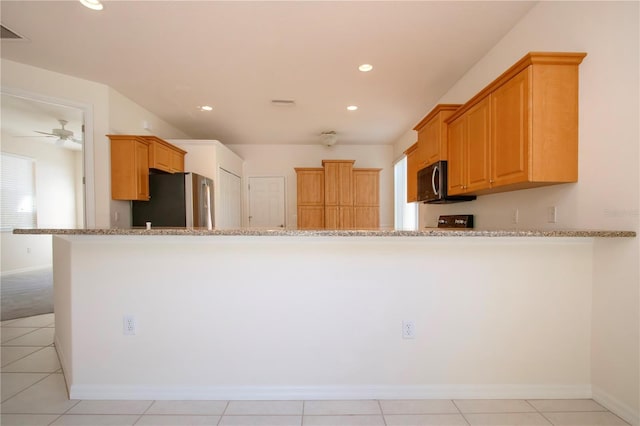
[172, 56]
[24, 118]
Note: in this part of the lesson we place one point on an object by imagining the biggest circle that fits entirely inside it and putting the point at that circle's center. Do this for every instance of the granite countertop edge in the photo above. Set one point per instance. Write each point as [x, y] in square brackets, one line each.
[428, 232]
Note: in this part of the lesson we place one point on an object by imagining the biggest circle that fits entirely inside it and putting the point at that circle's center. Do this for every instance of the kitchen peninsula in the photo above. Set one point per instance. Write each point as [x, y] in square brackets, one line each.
[282, 314]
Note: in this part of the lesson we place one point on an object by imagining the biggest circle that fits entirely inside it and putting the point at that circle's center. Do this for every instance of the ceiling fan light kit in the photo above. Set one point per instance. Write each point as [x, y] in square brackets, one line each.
[329, 138]
[92, 4]
[62, 134]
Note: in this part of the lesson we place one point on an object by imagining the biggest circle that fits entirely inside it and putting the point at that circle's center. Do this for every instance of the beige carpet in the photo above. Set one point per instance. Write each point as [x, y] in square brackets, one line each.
[26, 294]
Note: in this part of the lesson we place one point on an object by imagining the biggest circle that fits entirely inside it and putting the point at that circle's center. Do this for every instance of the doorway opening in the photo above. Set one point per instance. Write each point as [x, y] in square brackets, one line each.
[45, 142]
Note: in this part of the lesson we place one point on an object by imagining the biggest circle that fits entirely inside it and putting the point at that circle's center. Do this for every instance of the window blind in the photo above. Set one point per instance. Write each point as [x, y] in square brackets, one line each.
[18, 197]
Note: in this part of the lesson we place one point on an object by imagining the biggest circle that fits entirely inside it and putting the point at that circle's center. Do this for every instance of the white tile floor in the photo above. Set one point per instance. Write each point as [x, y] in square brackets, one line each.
[34, 394]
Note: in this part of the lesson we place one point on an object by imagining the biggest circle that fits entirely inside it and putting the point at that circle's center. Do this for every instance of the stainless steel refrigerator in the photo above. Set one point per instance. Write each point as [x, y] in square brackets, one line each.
[177, 200]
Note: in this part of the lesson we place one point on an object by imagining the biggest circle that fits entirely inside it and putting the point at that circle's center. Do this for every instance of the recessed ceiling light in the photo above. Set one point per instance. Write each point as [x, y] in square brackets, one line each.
[352, 107]
[205, 108]
[365, 67]
[92, 4]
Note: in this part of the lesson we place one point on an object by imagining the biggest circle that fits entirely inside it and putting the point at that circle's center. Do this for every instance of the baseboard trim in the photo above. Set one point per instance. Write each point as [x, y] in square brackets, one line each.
[111, 392]
[616, 406]
[63, 362]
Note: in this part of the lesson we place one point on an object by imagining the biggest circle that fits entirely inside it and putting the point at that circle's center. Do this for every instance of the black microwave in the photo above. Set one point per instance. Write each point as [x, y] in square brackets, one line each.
[432, 185]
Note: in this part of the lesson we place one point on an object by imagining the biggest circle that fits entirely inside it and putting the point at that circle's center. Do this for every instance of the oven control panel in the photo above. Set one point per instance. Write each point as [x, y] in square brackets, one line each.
[456, 221]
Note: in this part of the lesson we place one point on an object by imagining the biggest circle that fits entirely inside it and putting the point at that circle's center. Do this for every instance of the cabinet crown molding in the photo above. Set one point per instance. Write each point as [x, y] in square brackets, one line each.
[435, 111]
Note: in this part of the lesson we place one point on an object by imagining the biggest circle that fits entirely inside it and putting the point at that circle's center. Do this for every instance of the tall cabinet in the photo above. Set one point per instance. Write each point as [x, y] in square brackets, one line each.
[338, 196]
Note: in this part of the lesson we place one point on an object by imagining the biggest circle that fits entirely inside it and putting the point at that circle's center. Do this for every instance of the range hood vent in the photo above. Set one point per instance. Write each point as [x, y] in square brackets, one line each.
[7, 34]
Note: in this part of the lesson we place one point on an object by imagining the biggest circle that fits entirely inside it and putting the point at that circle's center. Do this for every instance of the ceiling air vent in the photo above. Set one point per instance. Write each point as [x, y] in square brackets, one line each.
[7, 34]
[283, 102]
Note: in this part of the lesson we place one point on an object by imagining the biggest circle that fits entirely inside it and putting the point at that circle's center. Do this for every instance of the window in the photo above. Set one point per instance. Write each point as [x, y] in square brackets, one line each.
[405, 214]
[18, 196]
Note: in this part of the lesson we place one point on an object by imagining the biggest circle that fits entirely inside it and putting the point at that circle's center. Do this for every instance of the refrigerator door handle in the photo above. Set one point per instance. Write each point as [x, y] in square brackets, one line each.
[208, 206]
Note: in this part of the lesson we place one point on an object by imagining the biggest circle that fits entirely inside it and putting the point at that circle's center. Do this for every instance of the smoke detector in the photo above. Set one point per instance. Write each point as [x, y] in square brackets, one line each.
[328, 138]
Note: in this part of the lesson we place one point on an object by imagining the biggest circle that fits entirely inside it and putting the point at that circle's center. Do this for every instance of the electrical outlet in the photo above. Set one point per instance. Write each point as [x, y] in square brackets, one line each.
[408, 330]
[514, 216]
[552, 214]
[129, 325]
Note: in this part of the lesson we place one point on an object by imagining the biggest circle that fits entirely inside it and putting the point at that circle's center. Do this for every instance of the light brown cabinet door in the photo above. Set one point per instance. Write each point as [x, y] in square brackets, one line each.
[478, 146]
[432, 141]
[331, 184]
[332, 217]
[310, 217]
[310, 186]
[177, 162]
[346, 215]
[129, 168]
[366, 187]
[412, 174]
[366, 217]
[510, 131]
[159, 156]
[456, 165]
[142, 170]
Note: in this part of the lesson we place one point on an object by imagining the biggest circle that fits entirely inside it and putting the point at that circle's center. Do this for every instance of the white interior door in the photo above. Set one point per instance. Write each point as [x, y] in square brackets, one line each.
[230, 202]
[266, 202]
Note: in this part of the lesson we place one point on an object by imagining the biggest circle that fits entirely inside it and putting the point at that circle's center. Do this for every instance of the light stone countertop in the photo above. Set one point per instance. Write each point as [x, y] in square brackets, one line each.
[284, 232]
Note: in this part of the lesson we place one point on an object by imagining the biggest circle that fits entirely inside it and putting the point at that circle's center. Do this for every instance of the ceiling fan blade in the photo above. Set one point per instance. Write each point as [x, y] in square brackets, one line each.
[45, 133]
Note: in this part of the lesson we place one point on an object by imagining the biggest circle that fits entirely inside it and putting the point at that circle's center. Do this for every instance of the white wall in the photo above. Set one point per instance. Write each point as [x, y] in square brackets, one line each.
[280, 160]
[56, 201]
[320, 317]
[607, 194]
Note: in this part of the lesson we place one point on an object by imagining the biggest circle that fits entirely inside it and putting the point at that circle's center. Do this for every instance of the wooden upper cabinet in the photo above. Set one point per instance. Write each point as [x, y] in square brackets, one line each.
[469, 149]
[164, 156]
[432, 135]
[131, 158]
[412, 173]
[129, 167]
[532, 127]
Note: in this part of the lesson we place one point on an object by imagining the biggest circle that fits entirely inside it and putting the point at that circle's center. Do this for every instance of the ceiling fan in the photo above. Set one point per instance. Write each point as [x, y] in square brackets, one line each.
[62, 134]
